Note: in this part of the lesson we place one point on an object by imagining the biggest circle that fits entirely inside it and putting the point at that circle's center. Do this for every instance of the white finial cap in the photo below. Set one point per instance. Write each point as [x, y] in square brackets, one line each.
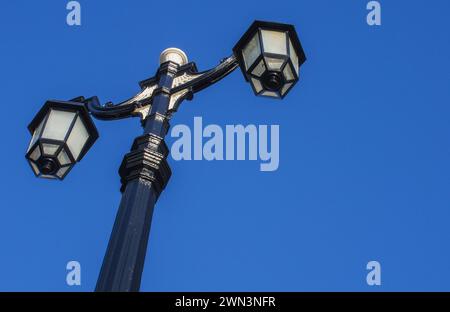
[174, 55]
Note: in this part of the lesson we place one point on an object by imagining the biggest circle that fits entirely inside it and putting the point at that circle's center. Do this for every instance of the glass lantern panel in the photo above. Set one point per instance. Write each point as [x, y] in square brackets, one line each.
[286, 88]
[294, 56]
[58, 124]
[34, 167]
[46, 176]
[274, 41]
[36, 153]
[49, 149]
[36, 134]
[274, 63]
[251, 51]
[77, 138]
[259, 69]
[271, 94]
[63, 158]
[257, 84]
[62, 171]
[287, 72]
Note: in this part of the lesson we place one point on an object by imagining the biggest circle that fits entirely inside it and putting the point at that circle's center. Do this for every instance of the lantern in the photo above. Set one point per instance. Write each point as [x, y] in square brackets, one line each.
[62, 134]
[270, 56]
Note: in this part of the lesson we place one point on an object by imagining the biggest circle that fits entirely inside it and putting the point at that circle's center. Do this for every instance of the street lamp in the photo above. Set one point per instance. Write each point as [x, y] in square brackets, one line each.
[62, 134]
[270, 56]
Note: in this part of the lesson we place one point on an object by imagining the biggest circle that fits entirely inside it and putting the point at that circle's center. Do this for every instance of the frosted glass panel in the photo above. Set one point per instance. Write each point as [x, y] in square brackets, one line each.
[36, 134]
[274, 41]
[35, 168]
[49, 149]
[36, 153]
[274, 63]
[257, 84]
[286, 88]
[58, 124]
[77, 138]
[63, 158]
[259, 69]
[294, 56]
[251, 51]
[47, 176]
[62, 171]
[287, 71]
[270, 93]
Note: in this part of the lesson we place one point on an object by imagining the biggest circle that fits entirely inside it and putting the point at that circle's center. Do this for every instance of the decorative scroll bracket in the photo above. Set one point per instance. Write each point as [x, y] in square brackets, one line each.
[187, 82]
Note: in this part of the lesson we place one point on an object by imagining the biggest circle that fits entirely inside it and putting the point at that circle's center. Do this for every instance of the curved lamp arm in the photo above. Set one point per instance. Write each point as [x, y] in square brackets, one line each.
[186, 82]
[205, 79]
[110, 111]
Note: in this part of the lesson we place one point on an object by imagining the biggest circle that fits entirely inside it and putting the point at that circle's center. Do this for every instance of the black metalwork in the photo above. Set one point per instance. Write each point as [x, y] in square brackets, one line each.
[144, 170]
[187, 80]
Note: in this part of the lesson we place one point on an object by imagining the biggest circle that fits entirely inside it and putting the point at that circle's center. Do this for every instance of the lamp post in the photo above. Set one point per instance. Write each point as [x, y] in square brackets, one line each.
[270, 56]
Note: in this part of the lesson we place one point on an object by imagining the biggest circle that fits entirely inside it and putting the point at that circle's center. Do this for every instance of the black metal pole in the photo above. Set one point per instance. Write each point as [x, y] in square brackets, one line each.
[144, 174]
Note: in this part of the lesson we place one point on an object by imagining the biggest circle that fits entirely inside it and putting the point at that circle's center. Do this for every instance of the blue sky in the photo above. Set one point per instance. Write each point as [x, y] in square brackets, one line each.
[364, 148]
